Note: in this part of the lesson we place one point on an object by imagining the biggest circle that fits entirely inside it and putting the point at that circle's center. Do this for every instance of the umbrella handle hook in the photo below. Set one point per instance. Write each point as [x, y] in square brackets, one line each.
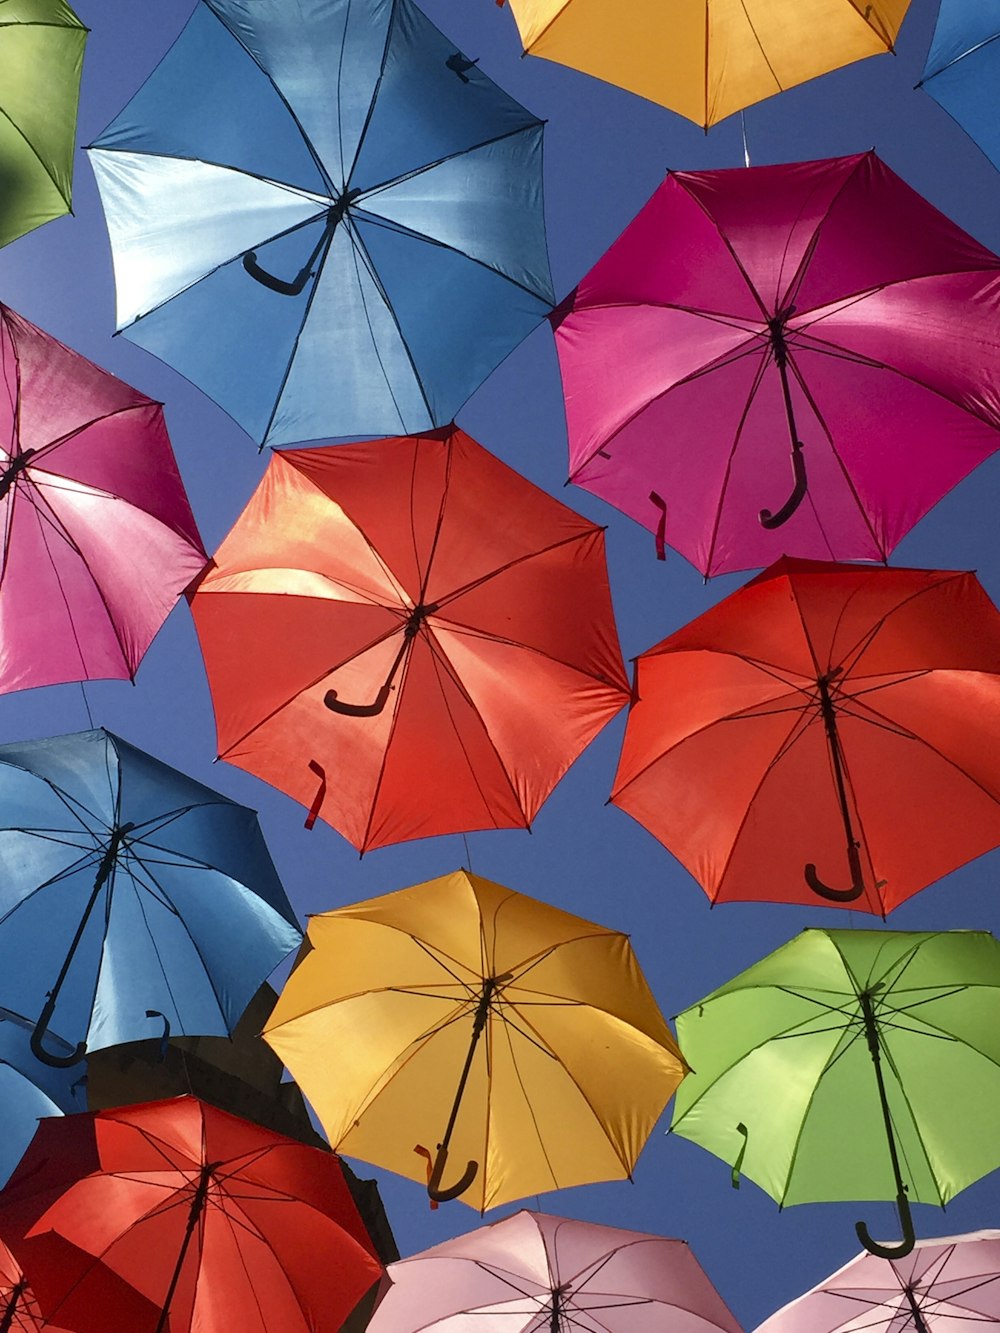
[839, 895]
[434, 1189]
[40, 1028]
[335, 705]
[906, 1223]
[297, 285]
[769, 520]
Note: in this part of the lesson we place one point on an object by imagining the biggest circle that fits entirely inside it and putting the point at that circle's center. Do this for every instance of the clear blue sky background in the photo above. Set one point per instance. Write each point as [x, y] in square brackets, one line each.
[605, 153]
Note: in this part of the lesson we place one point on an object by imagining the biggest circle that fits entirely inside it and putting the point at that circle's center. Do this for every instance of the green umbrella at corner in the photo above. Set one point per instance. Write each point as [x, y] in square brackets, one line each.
[852, 1065]
[41, 58]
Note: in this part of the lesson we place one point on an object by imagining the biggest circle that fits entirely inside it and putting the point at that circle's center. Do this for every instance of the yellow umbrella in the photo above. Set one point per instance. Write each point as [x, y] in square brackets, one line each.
[461, 1014]
[707, 58]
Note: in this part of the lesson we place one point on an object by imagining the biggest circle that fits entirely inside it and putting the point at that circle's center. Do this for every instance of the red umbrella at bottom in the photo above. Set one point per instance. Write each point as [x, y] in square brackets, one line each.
[173, 1216]
[18, 1307]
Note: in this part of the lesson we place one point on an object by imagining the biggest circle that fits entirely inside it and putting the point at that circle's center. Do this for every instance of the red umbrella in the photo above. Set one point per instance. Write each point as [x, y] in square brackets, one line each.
[98, 537]
[827, 729]
[174, 1216]
[408, 637]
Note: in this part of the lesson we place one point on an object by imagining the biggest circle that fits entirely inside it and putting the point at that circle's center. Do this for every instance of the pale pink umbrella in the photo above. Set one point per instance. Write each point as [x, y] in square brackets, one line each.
[782, 360]
[98, 537]
[945, 1285]
[534, 1273]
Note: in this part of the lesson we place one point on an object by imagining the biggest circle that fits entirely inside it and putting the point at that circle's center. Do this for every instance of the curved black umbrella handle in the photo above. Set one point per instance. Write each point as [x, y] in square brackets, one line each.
[906, 1224]
[434, 1190]
[38, 1033]
[359, 710]
[839, 895]
[279, 285]
[769, 520]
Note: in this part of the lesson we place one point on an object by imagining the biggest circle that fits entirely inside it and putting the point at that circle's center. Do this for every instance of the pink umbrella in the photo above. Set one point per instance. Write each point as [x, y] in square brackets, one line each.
[948, 1285]
[797, 359]
[98, 536]
[533, 1273]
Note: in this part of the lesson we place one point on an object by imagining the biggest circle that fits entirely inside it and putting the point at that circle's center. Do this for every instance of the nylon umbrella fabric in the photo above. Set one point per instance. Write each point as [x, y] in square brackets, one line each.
[963, 69]
[567, 1060]
[798, 359]
[173, 1216]
[948, 1284]
[408, 637]
[99, 540]
[710, 58]
[851, 1065]
[134, 901]
[325, 216]
[29, 1089]
[41, 60]
[824, 734]
[535, 1273]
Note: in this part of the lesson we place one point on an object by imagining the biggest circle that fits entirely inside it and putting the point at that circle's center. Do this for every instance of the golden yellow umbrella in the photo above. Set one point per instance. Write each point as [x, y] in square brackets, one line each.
[458, 1013]
[707, 58]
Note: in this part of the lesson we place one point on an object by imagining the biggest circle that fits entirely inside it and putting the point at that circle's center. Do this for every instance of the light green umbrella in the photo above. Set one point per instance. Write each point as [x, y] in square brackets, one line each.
[852, 1064]
[41, 56]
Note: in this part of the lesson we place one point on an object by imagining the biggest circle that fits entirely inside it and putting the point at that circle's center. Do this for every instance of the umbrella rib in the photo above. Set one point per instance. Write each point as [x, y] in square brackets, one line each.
[47, 516]
[583, 1096]
[250, 1284]
[713, 222]
[439, 522]
[810, 399]
[24, 138]
[43, 450]
[194, 943]
[758, 380]
[721, 362]
[862, 645]
[376, 89]
[513, 563]
[798, 277]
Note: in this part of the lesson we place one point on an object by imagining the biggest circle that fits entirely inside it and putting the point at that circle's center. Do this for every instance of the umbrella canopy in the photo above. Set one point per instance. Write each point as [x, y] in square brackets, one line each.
[794, 359]
[41, 59]
[174, 1216]
[826, 730]
[852, 1064]
[963, 69]
[325, 216]
[534, 1273]
[29, 1089]
[98, 537]
[137, 900]
[408, 637]
[519, 1038]
[947, 1285]
[708, 59]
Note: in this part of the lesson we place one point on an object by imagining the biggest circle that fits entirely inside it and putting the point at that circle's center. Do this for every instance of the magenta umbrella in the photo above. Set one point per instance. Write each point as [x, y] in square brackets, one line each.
[98, 537]
[534, 1273]
[797, 359]
[948, 1285]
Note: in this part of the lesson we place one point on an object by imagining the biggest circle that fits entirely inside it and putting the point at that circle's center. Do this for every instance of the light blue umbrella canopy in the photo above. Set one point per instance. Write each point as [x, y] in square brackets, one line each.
[133, 900]
[324, 215]
[30, 1089]
[963, 69]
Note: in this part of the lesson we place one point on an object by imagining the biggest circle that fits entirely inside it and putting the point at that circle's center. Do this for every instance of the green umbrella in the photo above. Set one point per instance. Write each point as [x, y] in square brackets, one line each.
[852, 1064]
[41, 56]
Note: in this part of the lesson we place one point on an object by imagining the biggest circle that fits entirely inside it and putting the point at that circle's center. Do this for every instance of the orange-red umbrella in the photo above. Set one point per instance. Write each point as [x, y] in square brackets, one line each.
[408, 637]
[826, 730]
[175, 1217]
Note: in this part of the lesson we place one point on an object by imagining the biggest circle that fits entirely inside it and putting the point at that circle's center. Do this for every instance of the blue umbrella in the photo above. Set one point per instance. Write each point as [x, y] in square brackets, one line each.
[963, 69]
[133, 900]
[30, 1089]
[325, 216]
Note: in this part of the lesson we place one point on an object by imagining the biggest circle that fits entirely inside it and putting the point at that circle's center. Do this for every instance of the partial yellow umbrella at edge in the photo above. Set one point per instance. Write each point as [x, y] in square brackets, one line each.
[707, 59]
[459, 1019]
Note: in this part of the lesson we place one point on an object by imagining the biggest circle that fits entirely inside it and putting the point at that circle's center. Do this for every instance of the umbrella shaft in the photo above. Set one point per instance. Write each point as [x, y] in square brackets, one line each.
[197, 1204]
[918, 1319]
[479, 1022]
[7, 1323]
[871, 1033]
[833, 738]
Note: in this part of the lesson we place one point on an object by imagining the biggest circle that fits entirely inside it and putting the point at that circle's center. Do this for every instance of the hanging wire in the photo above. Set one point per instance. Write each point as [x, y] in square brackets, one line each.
[86, 704]
[743, 131]
[468, 854]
